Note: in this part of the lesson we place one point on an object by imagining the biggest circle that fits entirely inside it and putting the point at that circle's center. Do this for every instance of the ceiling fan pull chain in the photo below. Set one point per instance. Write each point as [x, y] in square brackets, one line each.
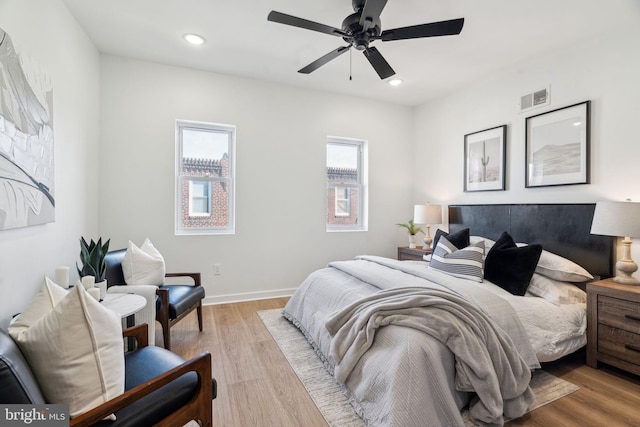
[350, 65]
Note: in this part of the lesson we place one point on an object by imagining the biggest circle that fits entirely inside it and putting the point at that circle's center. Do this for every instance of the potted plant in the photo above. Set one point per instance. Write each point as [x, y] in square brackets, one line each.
[413, 230]
[92, 258]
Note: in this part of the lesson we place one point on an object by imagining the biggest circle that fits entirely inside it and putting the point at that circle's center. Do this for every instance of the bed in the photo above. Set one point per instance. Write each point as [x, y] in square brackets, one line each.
[412, 345]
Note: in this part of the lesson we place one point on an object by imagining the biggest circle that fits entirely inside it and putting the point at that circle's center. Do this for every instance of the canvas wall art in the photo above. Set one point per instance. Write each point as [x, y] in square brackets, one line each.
[27, 195]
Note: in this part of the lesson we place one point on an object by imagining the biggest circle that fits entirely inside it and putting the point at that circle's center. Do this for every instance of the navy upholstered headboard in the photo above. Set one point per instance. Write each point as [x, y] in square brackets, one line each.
[564, 229]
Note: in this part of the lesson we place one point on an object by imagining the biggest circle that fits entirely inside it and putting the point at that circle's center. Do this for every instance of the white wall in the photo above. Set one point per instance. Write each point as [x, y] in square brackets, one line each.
[605, 71]
[281, 134]
[46, 32]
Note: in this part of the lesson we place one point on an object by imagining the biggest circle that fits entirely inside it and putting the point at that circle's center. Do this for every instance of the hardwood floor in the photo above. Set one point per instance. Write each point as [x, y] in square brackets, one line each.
[257, 387]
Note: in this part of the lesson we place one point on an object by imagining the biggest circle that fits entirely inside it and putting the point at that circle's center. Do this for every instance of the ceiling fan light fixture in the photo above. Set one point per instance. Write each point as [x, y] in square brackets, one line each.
[194, 39]
[395, 82]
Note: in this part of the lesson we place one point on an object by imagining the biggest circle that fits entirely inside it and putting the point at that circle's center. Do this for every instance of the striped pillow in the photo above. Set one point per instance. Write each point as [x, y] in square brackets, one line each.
[465, 263]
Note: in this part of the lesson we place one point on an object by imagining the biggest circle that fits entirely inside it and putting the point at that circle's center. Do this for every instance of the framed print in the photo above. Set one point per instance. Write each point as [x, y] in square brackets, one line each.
[557, 147]
[484, 159]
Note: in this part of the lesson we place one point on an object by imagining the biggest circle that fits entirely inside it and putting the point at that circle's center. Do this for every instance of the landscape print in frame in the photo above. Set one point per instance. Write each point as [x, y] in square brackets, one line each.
[557, 146]
[26, 141]
[484, 159]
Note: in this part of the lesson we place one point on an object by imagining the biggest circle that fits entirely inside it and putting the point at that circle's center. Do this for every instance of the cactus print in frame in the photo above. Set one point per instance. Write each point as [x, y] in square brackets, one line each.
[485, 159]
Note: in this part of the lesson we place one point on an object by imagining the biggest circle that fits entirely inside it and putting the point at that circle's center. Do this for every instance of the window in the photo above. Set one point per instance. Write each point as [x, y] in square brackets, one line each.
[199, 198]
[205, 178]
[346, 184]
[343, 203]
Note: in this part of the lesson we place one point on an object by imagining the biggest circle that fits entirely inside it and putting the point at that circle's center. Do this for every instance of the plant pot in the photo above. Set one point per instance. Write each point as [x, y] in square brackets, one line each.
[412, 241]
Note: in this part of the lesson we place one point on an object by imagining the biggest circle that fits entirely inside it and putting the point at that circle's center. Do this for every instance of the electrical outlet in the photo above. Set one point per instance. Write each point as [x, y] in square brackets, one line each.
[217, 269]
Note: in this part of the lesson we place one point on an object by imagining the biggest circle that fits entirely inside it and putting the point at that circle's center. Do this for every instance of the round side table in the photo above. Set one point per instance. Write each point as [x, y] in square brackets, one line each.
[126, 305]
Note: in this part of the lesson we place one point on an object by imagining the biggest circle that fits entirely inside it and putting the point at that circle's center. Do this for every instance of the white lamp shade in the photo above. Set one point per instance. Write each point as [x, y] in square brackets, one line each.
[427, 214]
[620, 219]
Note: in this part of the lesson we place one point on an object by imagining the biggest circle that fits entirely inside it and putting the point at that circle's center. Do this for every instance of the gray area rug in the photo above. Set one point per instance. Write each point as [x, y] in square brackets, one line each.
[326, 393]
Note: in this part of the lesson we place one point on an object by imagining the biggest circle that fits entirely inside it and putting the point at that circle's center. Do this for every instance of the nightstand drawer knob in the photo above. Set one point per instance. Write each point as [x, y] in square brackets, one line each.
[632, 317]
[632, 347]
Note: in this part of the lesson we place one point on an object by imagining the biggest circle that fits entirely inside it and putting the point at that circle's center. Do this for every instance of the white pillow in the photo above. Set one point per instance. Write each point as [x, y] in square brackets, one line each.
[558, 268]
[555, 291]
[466, 263]
[75, 352]
[143, 265]
[49, 296]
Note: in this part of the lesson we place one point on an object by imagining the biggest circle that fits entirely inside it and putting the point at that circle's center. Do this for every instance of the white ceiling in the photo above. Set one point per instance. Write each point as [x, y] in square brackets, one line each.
[240, 40]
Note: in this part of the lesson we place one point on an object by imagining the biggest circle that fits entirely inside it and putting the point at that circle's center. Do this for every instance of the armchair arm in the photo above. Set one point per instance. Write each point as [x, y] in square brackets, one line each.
[200, 364]
[194, 276]
[139, 332]
[163, 314]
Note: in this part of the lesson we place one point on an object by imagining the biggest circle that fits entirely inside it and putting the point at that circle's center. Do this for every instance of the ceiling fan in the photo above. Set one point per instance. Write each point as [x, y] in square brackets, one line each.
[361, 28]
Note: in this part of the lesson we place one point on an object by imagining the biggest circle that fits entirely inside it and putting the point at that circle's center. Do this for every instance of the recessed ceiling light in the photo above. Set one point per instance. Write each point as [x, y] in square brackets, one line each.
[395, 82]
[194, 39]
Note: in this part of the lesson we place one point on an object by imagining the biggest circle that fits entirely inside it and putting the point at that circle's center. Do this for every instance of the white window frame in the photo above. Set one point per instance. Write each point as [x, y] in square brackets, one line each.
[230, 180]
[361, 185]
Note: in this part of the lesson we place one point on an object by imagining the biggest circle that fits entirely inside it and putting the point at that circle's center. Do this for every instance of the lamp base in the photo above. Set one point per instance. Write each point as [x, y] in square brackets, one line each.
[427, 239]
[626, 267]
[623, 280]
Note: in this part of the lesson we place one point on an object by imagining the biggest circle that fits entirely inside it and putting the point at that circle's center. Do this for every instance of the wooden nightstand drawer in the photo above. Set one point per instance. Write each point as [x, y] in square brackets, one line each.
[613, 325]
[618, 343]
[619, 313]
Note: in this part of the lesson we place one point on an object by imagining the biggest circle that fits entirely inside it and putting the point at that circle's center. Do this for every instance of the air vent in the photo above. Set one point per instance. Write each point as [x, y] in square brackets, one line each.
[533, 100]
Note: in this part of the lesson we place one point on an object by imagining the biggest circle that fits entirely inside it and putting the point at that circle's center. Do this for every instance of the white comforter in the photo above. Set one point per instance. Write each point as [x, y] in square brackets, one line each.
[554, 330]
[406, 378]
[487, 362]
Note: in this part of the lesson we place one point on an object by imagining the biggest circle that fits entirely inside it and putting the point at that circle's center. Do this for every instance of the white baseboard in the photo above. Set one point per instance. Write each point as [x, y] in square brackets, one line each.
[248, 296]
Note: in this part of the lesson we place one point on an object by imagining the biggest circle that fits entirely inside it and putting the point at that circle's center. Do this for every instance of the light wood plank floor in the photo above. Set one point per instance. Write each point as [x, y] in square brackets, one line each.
[257, 387]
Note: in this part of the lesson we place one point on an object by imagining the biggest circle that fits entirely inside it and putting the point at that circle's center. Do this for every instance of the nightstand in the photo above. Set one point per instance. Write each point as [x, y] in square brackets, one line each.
[613, 325]
[407, 254]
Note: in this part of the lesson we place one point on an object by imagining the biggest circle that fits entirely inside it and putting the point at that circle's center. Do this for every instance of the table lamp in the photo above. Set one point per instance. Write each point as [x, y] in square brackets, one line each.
[619, 219]
[427, 214]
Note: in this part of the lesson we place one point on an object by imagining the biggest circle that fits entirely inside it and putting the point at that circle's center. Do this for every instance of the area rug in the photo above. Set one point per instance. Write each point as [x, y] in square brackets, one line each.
[326, 393]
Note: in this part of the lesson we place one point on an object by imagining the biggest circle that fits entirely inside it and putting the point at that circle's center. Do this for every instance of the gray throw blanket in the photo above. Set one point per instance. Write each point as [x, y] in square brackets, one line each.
[487, 362]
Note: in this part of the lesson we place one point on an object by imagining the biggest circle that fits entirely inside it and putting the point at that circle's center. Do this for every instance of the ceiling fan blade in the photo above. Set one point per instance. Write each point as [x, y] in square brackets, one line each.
[371, 13]
[378, 62]
[283, 18]
[434, 29]
[323, 60]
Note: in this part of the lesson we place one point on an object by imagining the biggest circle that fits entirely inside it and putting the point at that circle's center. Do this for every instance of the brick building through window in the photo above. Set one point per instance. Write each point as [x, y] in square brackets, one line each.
[342, 198]
[205, 205]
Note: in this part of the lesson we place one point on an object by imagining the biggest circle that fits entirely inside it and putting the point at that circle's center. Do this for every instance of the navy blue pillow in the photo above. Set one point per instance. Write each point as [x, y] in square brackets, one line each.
[459, 239]
[511, 267]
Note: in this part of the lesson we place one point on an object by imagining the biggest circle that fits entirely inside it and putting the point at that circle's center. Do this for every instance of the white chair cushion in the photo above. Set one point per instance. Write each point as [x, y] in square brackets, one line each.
[143, 265]
[75, 352]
